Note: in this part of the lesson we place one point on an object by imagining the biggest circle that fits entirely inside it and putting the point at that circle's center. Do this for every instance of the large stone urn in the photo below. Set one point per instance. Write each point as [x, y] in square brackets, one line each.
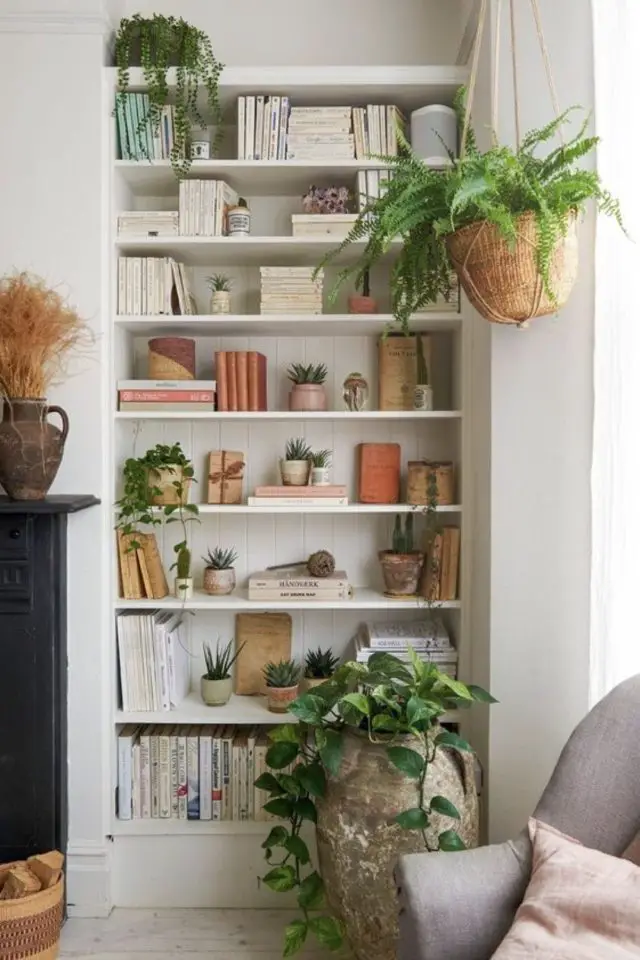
[31, 448]
[359, 845]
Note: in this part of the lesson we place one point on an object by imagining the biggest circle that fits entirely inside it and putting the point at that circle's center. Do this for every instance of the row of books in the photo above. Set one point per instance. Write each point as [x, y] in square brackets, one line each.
[140, 570]
[430, 640]
[290, 290]
[325, 495]
[197, 772]
[202, 207]
[241, 377]
[270, 129]
[153, 660]
[295, 583]
[172, 395]
[137, 138]
[440, 574]
[150, 286]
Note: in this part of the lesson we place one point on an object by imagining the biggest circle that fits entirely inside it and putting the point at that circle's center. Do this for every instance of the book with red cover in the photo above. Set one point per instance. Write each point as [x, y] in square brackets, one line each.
[378, 472]
[221, 378]
[257, 365]
[242, 375]
[330, 490]
[232, 380]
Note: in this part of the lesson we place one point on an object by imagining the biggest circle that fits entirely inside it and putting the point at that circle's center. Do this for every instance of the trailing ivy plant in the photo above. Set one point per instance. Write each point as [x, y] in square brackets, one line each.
[388, 701]
[422, 206]
[165, 41]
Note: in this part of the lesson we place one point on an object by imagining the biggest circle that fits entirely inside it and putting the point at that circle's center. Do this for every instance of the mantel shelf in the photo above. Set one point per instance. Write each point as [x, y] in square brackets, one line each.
[60, 503]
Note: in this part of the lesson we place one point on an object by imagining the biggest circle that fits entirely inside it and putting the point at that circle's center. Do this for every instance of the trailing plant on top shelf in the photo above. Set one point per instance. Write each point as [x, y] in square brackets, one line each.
[160, 42]
[426, 207]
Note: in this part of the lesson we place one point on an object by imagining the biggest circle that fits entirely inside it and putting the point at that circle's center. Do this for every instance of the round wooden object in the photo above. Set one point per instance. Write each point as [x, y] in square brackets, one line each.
[419, 479]
[172, 358]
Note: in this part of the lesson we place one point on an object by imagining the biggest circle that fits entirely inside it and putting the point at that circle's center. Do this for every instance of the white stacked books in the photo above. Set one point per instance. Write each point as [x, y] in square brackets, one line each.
[375, 130]
[320, 133]
[151, 286]
[290, 290]
[430, 641]
[148, 223]
[203, 206]
[153, 661]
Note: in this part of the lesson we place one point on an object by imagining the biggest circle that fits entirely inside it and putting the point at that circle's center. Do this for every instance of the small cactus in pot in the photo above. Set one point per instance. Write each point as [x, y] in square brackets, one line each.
[183, 585]
[402, 565]
[319, 666]
[282, 681]
[219, 574]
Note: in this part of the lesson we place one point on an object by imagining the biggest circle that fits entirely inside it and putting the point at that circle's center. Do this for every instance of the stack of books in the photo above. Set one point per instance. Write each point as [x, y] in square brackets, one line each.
[320, 133]
[197, 772]
[295, 583]
[153, 661]
[151, 286]
[325, 495]
[322, 224]
[262, 127]
[202, 206]
[148, 223]
[429, 639]
[136, 137]
[376, 130]
[170, 395]
[290, 290]
[241, 376]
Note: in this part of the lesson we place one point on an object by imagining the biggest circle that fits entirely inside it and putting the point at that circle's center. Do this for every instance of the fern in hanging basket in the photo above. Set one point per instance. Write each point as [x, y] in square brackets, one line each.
[158, 43]
[504, 220]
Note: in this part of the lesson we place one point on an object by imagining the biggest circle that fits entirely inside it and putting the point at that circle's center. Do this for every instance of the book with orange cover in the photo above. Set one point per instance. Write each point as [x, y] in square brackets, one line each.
[232, 380]
[378, 472]
[242, 376]
[221, 380]
[257, 365]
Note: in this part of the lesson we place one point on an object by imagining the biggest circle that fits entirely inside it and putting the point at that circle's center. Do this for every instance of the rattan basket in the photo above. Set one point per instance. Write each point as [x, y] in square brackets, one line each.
[30, 927]
[503, 282]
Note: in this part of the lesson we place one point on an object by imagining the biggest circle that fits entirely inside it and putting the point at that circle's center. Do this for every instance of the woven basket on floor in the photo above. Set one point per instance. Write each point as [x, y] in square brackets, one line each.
[503, 283]
[30, 927]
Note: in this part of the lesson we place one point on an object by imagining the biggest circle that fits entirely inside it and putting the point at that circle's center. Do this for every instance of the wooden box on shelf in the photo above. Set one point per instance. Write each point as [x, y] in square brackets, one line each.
[427, 479]
[226, 473]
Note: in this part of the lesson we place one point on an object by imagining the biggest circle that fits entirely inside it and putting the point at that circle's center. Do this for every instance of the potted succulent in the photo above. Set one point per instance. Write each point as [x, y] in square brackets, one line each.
[294, 469]
[219, 575]
[363, 302]
[319, 666]
[183, 582]
[320, 466]
[307, 392]
[282, 680]
[216, 683]
[220, 287]
[505, 220]
[402, 565]
[39, 331]
[157, 43]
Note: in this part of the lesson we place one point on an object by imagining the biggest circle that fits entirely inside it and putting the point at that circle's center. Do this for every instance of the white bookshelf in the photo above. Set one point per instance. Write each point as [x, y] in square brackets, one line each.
[266, 535]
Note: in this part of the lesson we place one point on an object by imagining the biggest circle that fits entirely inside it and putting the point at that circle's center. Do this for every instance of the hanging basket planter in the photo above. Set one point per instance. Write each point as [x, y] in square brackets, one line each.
[503, 281]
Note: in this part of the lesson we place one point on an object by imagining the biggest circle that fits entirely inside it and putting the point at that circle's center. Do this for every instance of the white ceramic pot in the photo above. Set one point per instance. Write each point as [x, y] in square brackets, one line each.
[295, 473]
[220, 301]
[183, 588]
[320, 476]
[423, 397]
[219, 583]
[215, 693]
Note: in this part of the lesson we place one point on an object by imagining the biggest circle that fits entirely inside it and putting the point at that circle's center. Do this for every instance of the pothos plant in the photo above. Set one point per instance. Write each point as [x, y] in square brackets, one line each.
[165, 41]
[387, 701]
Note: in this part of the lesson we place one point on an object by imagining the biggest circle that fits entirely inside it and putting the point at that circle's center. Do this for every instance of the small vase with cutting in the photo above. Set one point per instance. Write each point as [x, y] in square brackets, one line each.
[295, 467]
[39, 333]
[321, 468]
[219, 573]
[282, 683]
[402, 565]
[307, 392]
[216, 683]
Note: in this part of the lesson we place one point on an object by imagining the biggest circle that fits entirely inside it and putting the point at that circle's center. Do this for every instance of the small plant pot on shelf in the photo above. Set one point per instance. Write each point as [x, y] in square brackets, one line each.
[401, 572]
[164, 480]
[361, 304]
[279, 698]
[294, 473]
[320, 476]
[215, 693]
[307, 396]
[183, 588]
[220, 302]
[219, 583]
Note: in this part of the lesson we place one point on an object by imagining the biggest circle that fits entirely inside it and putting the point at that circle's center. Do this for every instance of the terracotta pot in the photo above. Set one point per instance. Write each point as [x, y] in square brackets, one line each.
[219, 583]
[308, 683]
[220, 301]
[401, 572]
[31, 448]
[215, 693]
[279, 698]
[360, 304]
[307, 396]
[183, 588]
[358, 851]
[294, 473]
[164, 480]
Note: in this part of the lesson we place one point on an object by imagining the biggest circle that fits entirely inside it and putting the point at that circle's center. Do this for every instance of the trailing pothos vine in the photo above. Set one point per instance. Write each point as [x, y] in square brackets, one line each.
[389, 702]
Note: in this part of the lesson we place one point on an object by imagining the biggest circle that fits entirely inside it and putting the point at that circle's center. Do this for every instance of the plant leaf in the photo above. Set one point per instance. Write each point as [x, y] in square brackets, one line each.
[279, 807]
[286, 733]
[280, 755]
[331, 752]
[312, 778]
[305, 809]
[480, 694]
[276, 838]
[445, 807]
[295, 934]
[357, 700]
[308, 708]
[298, 848]
[407, 761]
[328, 931]
[449, 739]
[460, 689]
[281, 878]
[414, 819]
[417, 710]
[267, 781]
[450, 842]
[311, 892]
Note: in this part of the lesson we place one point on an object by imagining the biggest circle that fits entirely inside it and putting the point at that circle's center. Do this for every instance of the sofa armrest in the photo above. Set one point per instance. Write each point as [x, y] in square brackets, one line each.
[459, 906]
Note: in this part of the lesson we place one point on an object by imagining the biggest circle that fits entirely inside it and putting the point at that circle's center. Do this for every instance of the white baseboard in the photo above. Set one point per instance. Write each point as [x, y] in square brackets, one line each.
[88, 876]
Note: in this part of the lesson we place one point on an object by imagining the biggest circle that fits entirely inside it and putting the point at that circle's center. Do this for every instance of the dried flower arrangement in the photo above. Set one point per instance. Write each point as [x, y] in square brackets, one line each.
[326, 200]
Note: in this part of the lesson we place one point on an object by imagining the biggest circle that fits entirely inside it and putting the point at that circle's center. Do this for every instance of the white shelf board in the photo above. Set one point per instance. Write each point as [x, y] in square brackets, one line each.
[408, 86]
[265, 325]
[363, 599]
[168, 828]
[242, 251]
[239, 710]
[361, 508]
[294, 416]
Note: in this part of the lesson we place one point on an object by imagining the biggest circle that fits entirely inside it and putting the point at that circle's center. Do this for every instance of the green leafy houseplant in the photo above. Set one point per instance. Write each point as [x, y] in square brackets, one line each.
[163, 42]
[320, 664]
[424, 207]
[300, 373]
[387, 701]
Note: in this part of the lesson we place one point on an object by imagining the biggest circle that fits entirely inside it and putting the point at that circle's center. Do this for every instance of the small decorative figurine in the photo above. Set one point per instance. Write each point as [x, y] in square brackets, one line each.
[355, 392]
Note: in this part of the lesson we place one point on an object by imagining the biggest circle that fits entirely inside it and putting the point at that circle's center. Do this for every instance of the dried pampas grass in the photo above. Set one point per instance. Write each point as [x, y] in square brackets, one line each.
[39, 331]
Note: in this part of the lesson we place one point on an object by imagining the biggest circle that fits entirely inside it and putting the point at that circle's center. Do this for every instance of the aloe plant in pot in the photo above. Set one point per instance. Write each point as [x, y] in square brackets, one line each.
[282, 680]
[295, 467]
[320, 467]
[216, 683]
[219, 574]
[402, 565]
[307, 392]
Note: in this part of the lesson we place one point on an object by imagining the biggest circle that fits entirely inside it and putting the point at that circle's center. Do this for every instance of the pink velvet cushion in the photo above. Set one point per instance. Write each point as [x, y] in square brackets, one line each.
[580, 904]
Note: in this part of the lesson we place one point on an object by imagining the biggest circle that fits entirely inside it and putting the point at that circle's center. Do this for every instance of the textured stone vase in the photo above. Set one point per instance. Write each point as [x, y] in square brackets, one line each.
[359, 845]
[219, 583]
[31, 448]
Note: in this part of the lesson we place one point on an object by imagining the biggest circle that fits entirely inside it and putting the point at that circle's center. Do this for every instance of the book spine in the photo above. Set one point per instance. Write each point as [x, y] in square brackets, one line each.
[266, 128]
[259, 796]
[242, 374]
[242, 779]
[164, 776]
[182, 776]
[205, 777]
[166, 396]
[263, 594]
[241, 127]
[216, 778]
[145, 777]
[227, 804]
[249, 140]
[136, 806]
[193, 781]
[232, 380]
[252, 378]
[235, 782]
[221, 380]
[123, 138]
[133, 153]
[277, 502]
[155, 776]
[125, 778]
[283, 128]
[298, 583]
[259, 147]
[174, 776]
[262, 382]
[275, 128]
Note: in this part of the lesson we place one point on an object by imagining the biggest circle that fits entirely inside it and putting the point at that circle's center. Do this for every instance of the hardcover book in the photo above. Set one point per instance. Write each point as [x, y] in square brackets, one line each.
[266, 637]
[378, 472]
[398, 370]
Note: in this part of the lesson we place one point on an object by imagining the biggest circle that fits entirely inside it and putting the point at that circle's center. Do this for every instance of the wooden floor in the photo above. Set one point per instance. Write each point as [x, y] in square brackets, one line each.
[188, 934]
